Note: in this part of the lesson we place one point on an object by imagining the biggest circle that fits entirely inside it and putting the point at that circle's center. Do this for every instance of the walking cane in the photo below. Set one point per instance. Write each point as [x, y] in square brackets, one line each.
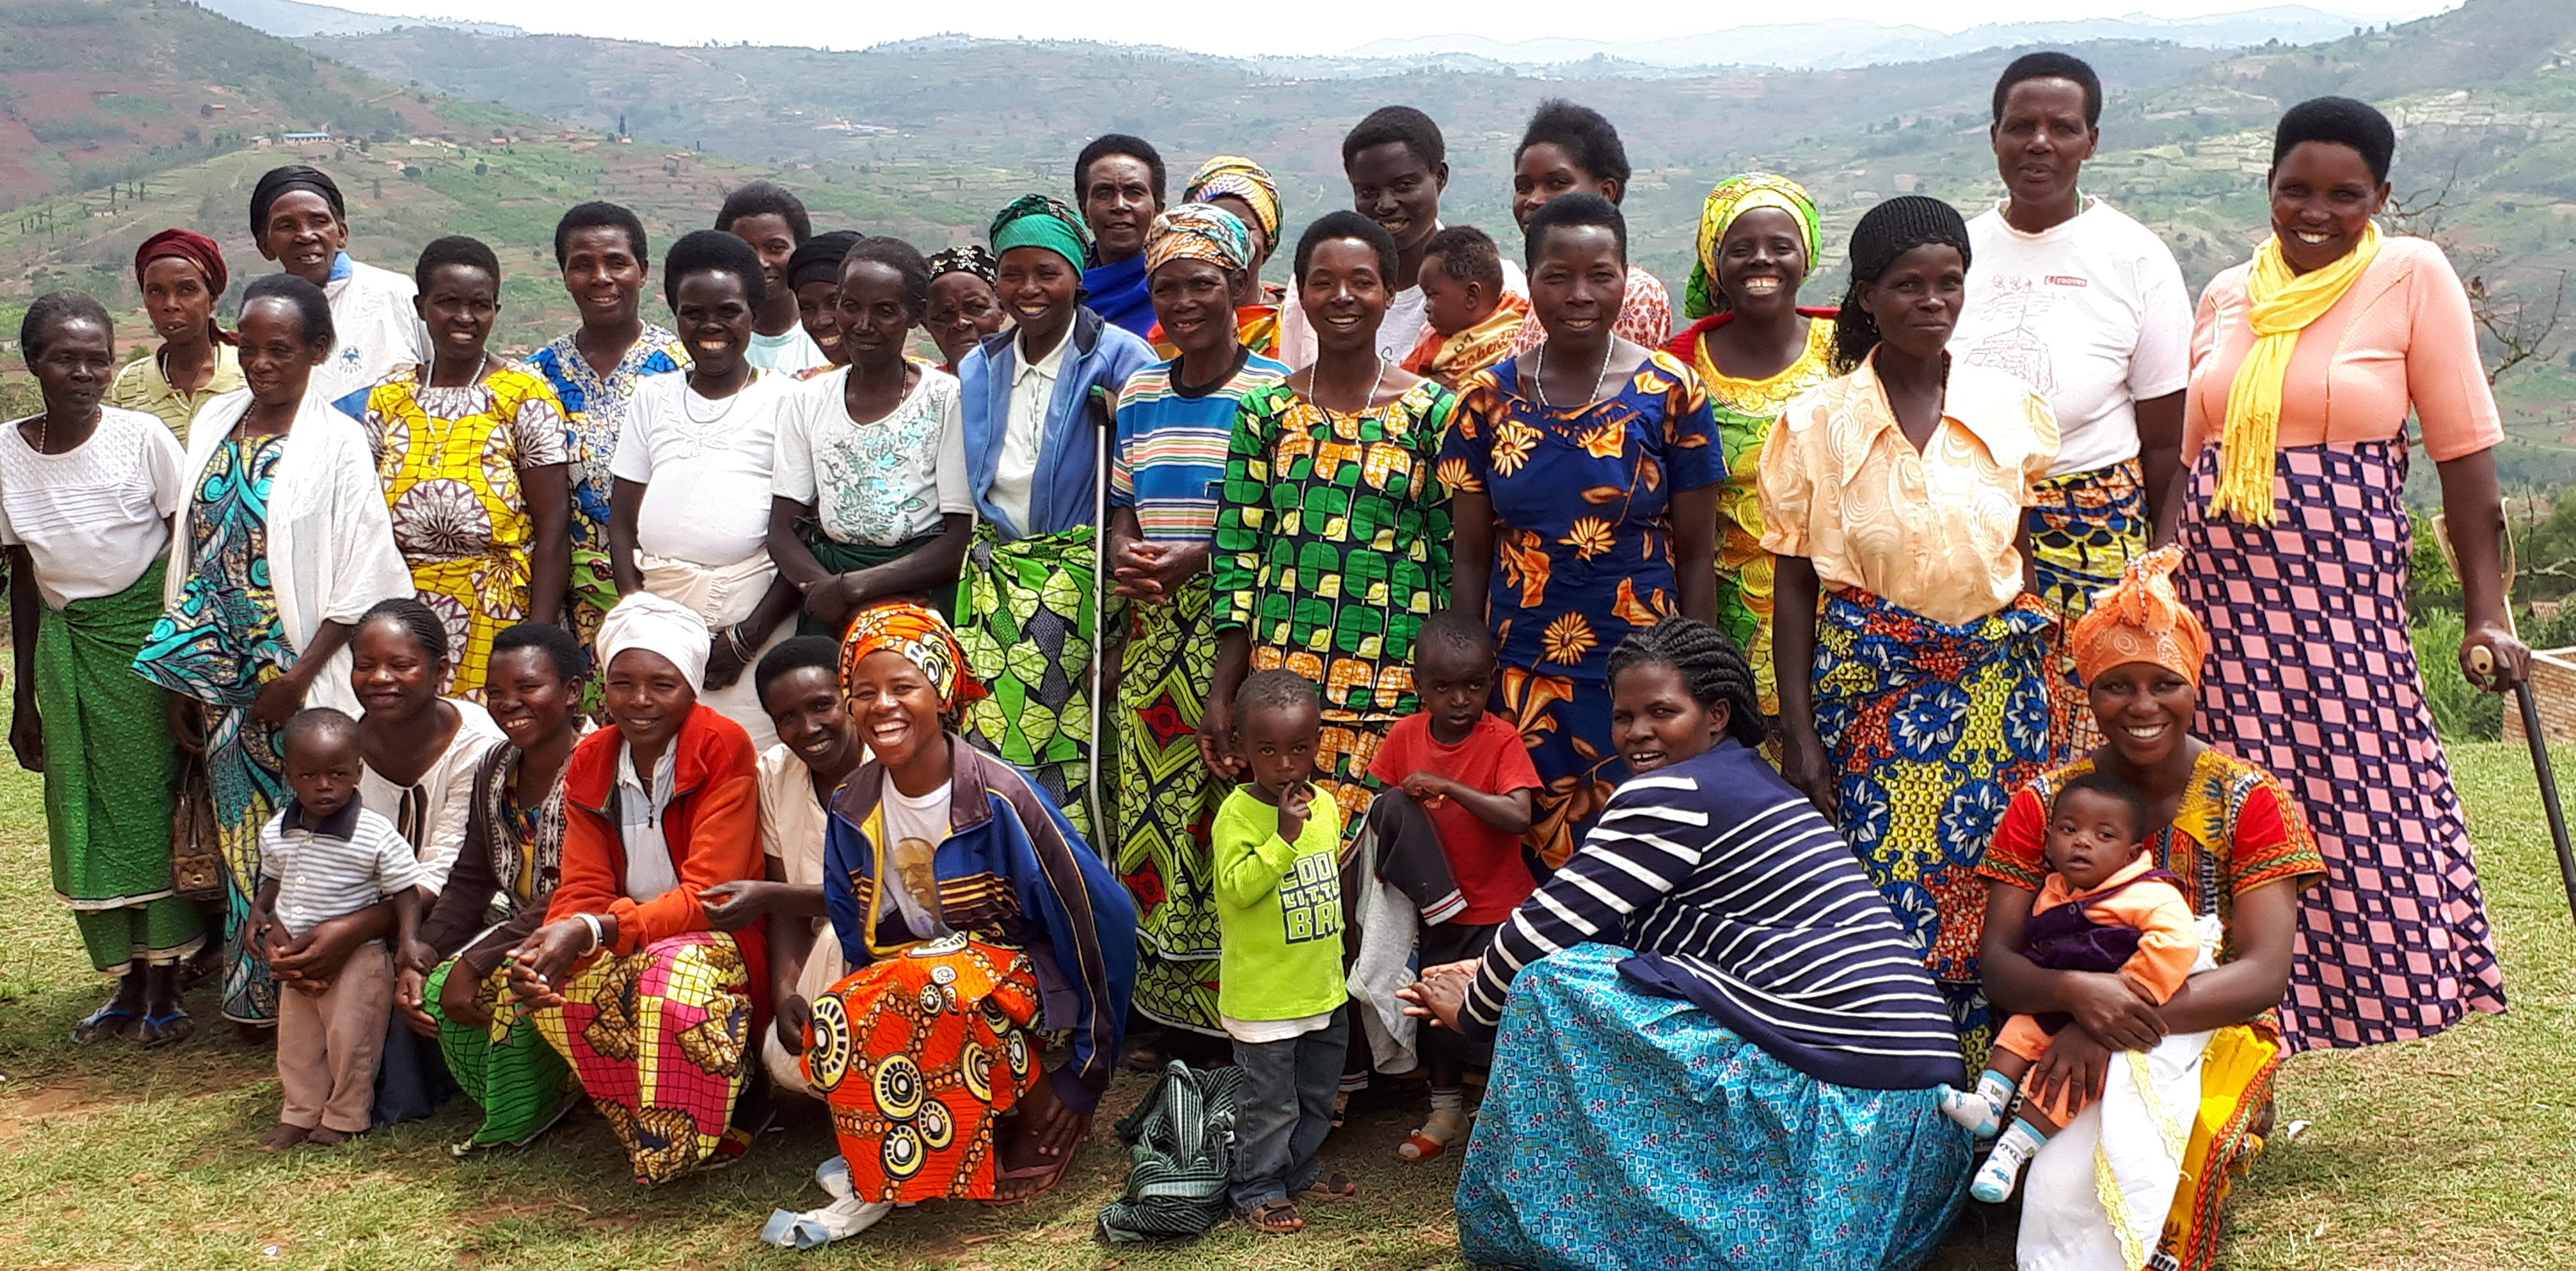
[1103, 422]
[2482, 660]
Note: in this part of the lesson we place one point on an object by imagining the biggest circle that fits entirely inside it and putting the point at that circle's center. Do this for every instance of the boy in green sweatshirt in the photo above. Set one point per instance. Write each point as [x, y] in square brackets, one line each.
[1276, 844]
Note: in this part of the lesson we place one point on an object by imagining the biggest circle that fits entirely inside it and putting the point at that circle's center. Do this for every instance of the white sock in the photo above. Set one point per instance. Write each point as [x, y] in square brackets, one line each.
[2001, 1173]
[1450, 1099]
[1979, 1111]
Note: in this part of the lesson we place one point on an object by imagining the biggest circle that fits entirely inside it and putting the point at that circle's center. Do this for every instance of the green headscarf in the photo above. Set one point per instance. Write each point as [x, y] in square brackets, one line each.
[1034, 220]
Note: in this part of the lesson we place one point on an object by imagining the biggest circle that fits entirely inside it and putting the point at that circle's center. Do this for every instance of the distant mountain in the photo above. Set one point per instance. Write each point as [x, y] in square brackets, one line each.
[293, 20]
[1849, 42]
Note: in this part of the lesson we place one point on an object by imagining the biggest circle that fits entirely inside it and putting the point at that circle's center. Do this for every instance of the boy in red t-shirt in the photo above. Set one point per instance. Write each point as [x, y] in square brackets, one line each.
[1458, 782]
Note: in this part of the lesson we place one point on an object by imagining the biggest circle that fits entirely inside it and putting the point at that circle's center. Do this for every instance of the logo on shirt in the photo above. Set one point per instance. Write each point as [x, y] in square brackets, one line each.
[1310, 899]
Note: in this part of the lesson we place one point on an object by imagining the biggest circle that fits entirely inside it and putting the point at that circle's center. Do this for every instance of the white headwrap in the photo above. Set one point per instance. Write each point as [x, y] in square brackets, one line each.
[645, 621]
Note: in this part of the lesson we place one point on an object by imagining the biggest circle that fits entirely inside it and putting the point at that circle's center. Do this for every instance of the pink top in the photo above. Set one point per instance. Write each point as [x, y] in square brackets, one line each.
[2402, 335]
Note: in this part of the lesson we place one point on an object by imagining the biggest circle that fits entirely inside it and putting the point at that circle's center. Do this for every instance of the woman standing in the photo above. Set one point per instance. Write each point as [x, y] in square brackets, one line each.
[1032, 404]
[1756, 349]
[653, 1009]
[963, 306]
[814, 274]
[1332, 531]
[282, 545]
[1175, 419]
[868, 500]
[2306, 362]
[453, 979]
[299, 220]
[1584, 473]
[86, 495]
[1917, 700]
[1240, 186]
[972, 916]
[471, 452]
[182, 275]
[1571, 149]
[1667, 1092]
[2240, 851]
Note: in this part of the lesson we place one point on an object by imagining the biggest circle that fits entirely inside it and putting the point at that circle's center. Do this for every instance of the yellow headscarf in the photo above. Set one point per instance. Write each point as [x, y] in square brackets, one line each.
[1732, 198]
[1235, 175]
[2283, 304]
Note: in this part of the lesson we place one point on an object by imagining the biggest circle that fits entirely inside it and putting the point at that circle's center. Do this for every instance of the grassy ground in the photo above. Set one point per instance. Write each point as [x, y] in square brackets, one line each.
[2449, 1153]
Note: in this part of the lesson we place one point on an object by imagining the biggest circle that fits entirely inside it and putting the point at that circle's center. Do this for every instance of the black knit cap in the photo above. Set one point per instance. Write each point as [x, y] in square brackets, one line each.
[819, 258]
[1900, 225]
[2343, 122]
[294, 176]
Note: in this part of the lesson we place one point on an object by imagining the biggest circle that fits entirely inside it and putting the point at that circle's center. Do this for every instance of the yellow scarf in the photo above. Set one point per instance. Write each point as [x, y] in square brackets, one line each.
[2284, 303]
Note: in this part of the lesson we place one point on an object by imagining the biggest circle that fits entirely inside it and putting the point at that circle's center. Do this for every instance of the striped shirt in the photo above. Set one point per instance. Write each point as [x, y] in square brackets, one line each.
[332, 867]
[1739, 898]
[1172, 447]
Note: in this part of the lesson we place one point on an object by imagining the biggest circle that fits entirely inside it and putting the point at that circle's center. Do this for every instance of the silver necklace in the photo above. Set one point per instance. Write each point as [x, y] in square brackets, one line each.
[692, 415]
[1538, 376]
[1365, 402]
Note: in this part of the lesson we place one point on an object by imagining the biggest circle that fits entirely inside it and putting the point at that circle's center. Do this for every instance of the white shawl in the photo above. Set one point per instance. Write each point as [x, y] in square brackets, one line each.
[331, 553]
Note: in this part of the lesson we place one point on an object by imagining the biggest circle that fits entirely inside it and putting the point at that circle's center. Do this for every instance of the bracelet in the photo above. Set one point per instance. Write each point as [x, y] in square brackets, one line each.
[591, 921]
[741, 652]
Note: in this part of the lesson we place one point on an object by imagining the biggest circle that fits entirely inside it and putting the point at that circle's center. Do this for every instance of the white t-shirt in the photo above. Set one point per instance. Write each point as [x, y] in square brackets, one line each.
[2092, 314]
[878, 483]
[378, 329]
[706, 465]
[431, 814]
[786, 353]
[1405, 322]
[914, 829]
[92, 518]
[1015, 470]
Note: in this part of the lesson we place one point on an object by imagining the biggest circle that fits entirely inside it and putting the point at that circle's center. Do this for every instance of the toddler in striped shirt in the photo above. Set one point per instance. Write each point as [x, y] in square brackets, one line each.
[324, 856]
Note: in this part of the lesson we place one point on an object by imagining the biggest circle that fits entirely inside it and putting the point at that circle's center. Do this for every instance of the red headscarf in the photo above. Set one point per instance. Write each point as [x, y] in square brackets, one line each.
[198, 250]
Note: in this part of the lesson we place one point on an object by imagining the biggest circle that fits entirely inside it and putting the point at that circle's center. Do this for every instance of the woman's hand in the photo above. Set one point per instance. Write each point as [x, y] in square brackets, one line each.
[543, 962]
[794, 1017]
[27, 735]
[2493, 658]
[2076, 1064]
[1137, 564]
[833, 600]
[738, 903]
[1440, 994]
[1802, 762]
[280, 698]
[2104, 1005]
[187, 725]
[724, 666]
[1216, 740]
[457, 996]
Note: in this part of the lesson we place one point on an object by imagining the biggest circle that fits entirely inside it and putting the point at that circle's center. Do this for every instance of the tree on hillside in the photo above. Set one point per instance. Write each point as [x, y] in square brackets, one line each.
[2523, 327]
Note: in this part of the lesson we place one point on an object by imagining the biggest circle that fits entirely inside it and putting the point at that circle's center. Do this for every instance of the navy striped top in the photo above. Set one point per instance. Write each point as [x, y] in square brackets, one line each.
[1736, 896]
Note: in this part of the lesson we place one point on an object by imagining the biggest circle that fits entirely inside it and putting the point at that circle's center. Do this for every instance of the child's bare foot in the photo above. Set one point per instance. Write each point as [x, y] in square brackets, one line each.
[283, 1137]
[325, 1136]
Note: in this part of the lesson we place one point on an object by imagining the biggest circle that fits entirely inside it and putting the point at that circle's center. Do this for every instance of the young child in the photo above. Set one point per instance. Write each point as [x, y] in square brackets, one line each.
[2104, 908]
[1472, 319]
[1459, 783]
[1276, 846]
[324, 856]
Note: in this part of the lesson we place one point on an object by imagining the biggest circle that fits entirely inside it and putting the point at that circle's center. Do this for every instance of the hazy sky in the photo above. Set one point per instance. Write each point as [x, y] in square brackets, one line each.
[1322, 26]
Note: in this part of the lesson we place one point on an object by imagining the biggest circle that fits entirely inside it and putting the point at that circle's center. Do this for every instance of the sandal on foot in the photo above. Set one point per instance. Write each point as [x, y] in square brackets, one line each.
[1275, 1217]
[1330, 1187]
[165, 1030]
[1418, 1146]
[107, 1021]
[282, 1137]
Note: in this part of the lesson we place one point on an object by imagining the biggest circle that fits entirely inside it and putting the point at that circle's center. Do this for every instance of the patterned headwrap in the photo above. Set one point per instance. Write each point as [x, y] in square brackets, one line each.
[1732, 198]
[2141, 619]
[1034, 220]
[922, 637]
[1233, 174]
[197, 250]
[1198, 231]
[969, 259]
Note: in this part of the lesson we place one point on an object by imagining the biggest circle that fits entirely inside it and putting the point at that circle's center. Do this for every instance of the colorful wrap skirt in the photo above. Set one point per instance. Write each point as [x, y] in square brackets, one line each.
[522, 1084]
[1025, 616]
[919, 1054]
[1624, 1130]
[658, 1039]
[2311, 676]
[2084, 531]
[1167, 799]
[1928, 730]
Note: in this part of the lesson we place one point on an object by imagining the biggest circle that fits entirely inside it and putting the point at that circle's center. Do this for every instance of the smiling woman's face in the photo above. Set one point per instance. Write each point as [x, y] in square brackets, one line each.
[304, 235]
[1761, 262]
[1656, 722]
[2323, 196]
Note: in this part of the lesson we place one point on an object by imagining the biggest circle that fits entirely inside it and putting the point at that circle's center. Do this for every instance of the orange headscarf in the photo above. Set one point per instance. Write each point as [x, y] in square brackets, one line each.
[922, 637]
[2141, 619]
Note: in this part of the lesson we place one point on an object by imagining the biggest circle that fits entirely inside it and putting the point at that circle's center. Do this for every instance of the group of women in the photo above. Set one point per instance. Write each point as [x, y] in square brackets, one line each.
[1827, 585]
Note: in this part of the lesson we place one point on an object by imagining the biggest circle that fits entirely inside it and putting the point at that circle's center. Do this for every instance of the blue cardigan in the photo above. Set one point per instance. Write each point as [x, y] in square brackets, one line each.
[1020, 875]
[1061, 494]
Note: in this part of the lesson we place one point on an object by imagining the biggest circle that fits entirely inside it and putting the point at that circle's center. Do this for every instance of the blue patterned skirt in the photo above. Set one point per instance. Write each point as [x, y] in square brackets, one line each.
[1628, 1131]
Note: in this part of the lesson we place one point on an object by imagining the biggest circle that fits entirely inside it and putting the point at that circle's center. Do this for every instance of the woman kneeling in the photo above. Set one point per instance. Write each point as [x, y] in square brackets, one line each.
[974, 916]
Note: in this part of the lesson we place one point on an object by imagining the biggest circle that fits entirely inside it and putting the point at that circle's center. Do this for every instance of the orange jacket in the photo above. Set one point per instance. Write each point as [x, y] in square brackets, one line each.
[2168, 940]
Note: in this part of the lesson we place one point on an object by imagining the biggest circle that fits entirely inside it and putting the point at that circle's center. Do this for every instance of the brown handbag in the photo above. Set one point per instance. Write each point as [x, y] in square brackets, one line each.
[196, 844]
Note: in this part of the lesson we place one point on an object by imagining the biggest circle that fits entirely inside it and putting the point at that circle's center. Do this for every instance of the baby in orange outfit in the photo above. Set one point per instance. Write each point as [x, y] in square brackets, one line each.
[2105, 908]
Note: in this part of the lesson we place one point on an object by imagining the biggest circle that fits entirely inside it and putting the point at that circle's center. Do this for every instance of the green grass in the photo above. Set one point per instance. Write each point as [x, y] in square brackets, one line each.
[2450, 1153]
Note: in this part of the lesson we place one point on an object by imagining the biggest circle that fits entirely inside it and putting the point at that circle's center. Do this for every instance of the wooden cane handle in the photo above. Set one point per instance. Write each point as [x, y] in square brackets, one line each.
[2482, 660]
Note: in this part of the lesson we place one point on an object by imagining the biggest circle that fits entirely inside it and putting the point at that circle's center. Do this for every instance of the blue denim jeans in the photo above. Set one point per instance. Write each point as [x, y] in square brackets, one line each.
[1283, 1111]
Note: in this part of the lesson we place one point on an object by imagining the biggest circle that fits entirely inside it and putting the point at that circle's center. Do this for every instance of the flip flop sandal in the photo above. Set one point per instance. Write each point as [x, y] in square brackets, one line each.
[165, 1030]
[1275, 1217]
[107, 1021]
